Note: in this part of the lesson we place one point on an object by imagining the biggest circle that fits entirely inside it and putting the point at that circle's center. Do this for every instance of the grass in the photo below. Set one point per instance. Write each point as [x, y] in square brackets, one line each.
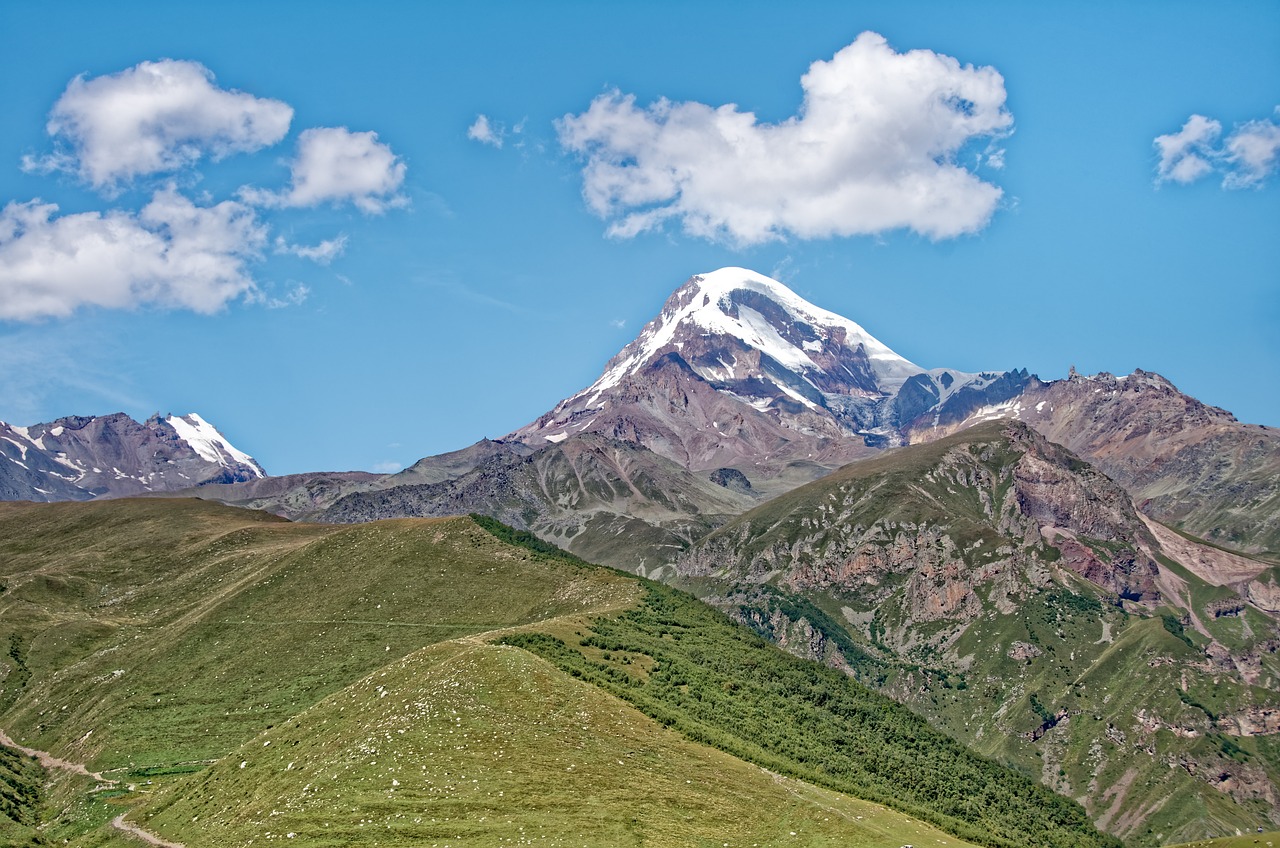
[168, 642]
[187, 645]
[471, 744]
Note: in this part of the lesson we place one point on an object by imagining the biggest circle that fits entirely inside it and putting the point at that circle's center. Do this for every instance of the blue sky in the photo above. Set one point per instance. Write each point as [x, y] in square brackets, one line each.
[443, 288]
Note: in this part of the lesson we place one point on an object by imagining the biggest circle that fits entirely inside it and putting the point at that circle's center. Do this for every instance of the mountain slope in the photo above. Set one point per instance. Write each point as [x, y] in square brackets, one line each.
[1190, 465]
[249, 675]
[608, 501]
[1010, 592]
[83, 457]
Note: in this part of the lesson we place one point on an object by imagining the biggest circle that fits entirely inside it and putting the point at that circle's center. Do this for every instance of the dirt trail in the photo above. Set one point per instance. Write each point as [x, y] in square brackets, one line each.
[49, 761]
[146, 836]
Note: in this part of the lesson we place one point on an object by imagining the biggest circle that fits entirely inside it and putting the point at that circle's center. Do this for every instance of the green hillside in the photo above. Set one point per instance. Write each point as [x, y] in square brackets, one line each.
[233, 675]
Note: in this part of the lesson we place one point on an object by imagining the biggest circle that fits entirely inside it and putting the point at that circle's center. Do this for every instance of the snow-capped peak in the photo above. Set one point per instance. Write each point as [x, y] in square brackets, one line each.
[718, 303]
[211, 445]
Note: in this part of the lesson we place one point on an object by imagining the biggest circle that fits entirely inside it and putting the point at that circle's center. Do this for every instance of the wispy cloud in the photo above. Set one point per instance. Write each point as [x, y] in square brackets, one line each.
[1245, 158]
[39, 364]
[873, 148]
[323, 253]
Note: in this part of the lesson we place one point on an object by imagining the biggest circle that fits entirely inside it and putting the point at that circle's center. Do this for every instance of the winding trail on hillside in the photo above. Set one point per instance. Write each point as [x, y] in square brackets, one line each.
[145, 835]
[49, 761]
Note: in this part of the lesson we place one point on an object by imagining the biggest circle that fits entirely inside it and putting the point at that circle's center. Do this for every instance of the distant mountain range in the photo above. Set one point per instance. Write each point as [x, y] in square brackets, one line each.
[1078, 577]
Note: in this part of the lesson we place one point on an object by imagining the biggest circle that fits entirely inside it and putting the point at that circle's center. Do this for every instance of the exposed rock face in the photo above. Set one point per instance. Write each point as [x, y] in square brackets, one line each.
[1000, 492]
[1012, 593]
[84, 457]
[298, 497]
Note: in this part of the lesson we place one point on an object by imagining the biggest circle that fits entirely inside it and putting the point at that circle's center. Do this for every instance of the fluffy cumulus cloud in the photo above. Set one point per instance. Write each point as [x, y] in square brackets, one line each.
[153, 118]
[1245, 158]
[336, 165]
[152, 121]
[172, 253]
[875, 147]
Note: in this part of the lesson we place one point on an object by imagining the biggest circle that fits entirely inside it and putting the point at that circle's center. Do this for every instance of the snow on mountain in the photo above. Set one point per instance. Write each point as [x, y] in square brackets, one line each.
[205, 440]
[707, 305]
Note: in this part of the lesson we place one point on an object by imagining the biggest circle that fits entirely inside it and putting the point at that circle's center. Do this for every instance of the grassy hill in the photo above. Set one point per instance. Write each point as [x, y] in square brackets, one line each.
[241, 676]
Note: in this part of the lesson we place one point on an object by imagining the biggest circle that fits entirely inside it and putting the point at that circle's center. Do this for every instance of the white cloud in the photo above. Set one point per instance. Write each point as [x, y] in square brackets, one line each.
[485, 133]
[1184, 155]
[1252, 151]
[335, 165]
[172, 253]
[323, 253]
[872, 149]
[1245, 158]
[388, 467]
[295, 296]
[155, 117]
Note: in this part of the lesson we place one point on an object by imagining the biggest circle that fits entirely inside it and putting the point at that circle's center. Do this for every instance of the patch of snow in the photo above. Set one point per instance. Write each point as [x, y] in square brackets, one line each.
[557, 438]
[1004, 409]
[17, 444]
[1040, 406]
[25, 432]
[56, 432]
[211, 445]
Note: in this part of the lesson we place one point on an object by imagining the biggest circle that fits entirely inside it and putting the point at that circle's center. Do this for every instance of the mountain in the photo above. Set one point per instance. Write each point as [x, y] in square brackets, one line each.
[228, 677]
[737, 371]
[84, 457]
[1008, 590]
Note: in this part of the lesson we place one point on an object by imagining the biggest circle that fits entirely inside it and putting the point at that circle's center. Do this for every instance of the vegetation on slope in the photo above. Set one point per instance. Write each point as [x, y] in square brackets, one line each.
[167, 642]
[21, 782]
[691, 668]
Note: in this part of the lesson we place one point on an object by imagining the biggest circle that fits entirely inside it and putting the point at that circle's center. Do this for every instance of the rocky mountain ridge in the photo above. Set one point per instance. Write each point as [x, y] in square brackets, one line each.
[1186, 463]
[86, 457]
[1011, 592]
